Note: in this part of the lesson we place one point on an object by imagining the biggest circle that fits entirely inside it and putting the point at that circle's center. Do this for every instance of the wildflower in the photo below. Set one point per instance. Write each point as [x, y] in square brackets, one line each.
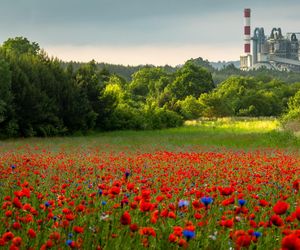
[183, 203]
[69, 242]
[7, 236]
[226, 191]
[103, 203]
[16, 225]
[298, 213]
[17, 203]
[78, 229]
[55, 236]
[188, 234]
[145, 206]
[125, 218]
[243, 241]
[206, 200]
[290, 242]
[263, 203]
[241, 202]
[17, 241]
[276, 220]
[227, 223]
[133, 227]
[148, 231]
[172, 215]
[47, 204]
[257, 234]
[115, 190]
[8, 213]
[172, 238]
[280, 207]
[31, 233]
[127, 173]
[13, 166]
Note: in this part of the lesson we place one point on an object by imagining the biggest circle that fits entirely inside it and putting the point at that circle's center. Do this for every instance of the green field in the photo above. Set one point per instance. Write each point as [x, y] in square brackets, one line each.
[242, 133]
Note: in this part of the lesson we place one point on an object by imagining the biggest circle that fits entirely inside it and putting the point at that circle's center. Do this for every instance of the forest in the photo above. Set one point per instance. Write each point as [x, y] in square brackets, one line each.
[43, 96]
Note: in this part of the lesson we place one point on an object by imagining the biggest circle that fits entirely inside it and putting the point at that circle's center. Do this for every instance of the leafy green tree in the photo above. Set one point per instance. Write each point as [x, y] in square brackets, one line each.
[191, 80]
[148, 82]
[20, 45]
[190, 108]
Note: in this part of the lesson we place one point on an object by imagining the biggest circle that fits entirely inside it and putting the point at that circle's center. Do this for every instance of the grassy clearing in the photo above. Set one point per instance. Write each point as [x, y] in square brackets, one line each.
[242, 133]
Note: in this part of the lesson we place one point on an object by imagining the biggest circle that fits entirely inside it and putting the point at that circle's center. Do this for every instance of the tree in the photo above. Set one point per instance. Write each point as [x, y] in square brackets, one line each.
[8, 125]
[21, 45]
[191, 80]
[148, 82]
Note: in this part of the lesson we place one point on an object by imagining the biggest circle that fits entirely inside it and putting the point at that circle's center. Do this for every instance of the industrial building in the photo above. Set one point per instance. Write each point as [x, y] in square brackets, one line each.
[276, 51]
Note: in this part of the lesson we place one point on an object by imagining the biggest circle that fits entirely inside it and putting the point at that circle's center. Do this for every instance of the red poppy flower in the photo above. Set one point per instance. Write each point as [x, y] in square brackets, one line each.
[298, 213]
[125, 218]
[243, 241]
[280, 207]
[17, 203]
[276, 220]
[290, 242]
[17, 241]
[31, 233]
[133, 227]
[172, 238]
[78, 229]
[147, 231]
[7, 236]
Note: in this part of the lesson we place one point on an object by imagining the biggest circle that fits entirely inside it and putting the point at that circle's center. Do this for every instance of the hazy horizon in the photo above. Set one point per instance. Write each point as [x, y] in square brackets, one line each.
[135, 32]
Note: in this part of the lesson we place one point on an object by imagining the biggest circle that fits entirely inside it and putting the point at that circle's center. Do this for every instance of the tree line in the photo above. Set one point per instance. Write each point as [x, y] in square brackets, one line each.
[43, 96]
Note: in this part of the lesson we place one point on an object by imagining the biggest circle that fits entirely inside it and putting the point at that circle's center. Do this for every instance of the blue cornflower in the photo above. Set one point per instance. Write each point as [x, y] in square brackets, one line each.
[241, 202]
[183, 203]
[54, 218]
[69, 242]
[127, 173]
[188, 234]
[47, 204]
[103, 203]
[13, 166]
[100, 191]
[70, 235]
[206, 200]
[257, 234]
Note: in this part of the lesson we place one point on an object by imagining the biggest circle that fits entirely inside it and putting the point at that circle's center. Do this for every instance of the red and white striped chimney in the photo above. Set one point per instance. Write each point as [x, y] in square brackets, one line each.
[247, 31]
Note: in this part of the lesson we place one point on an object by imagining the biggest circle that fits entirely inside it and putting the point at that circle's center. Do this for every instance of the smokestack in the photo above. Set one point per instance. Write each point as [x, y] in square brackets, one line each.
[247, 31]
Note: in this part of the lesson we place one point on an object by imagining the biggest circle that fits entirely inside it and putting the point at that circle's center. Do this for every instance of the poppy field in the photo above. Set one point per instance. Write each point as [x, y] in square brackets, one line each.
[200, 199]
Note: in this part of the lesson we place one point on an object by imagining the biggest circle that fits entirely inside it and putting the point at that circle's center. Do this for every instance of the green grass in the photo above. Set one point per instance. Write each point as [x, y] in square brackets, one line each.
[242, 133]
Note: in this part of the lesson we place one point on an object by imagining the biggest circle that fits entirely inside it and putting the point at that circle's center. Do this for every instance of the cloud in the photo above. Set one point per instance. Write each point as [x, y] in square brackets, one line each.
[143, 23]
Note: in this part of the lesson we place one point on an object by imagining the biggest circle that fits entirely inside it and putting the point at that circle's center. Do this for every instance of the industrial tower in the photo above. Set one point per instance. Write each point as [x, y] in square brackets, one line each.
[276, 52]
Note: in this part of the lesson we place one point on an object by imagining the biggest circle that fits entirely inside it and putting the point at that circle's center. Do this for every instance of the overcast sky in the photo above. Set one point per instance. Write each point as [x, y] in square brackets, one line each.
[142, 31]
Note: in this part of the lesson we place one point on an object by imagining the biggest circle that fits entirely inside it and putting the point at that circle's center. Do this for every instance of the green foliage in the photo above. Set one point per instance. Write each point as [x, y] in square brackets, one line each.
[42, 96]
[246, 96]
[20, 45]
[190, 108]
[190, 80]
[291, 120]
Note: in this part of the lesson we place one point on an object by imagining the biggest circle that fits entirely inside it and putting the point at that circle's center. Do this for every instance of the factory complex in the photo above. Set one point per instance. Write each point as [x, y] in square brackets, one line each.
[276, 51]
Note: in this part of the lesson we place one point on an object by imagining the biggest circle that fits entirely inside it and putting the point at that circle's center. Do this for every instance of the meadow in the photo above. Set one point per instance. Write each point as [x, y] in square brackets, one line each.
[211, 184]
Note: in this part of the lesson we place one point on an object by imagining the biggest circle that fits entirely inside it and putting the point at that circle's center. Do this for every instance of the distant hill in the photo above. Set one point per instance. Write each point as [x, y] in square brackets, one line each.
[219, 65]
[220, 70]
[127, 71]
